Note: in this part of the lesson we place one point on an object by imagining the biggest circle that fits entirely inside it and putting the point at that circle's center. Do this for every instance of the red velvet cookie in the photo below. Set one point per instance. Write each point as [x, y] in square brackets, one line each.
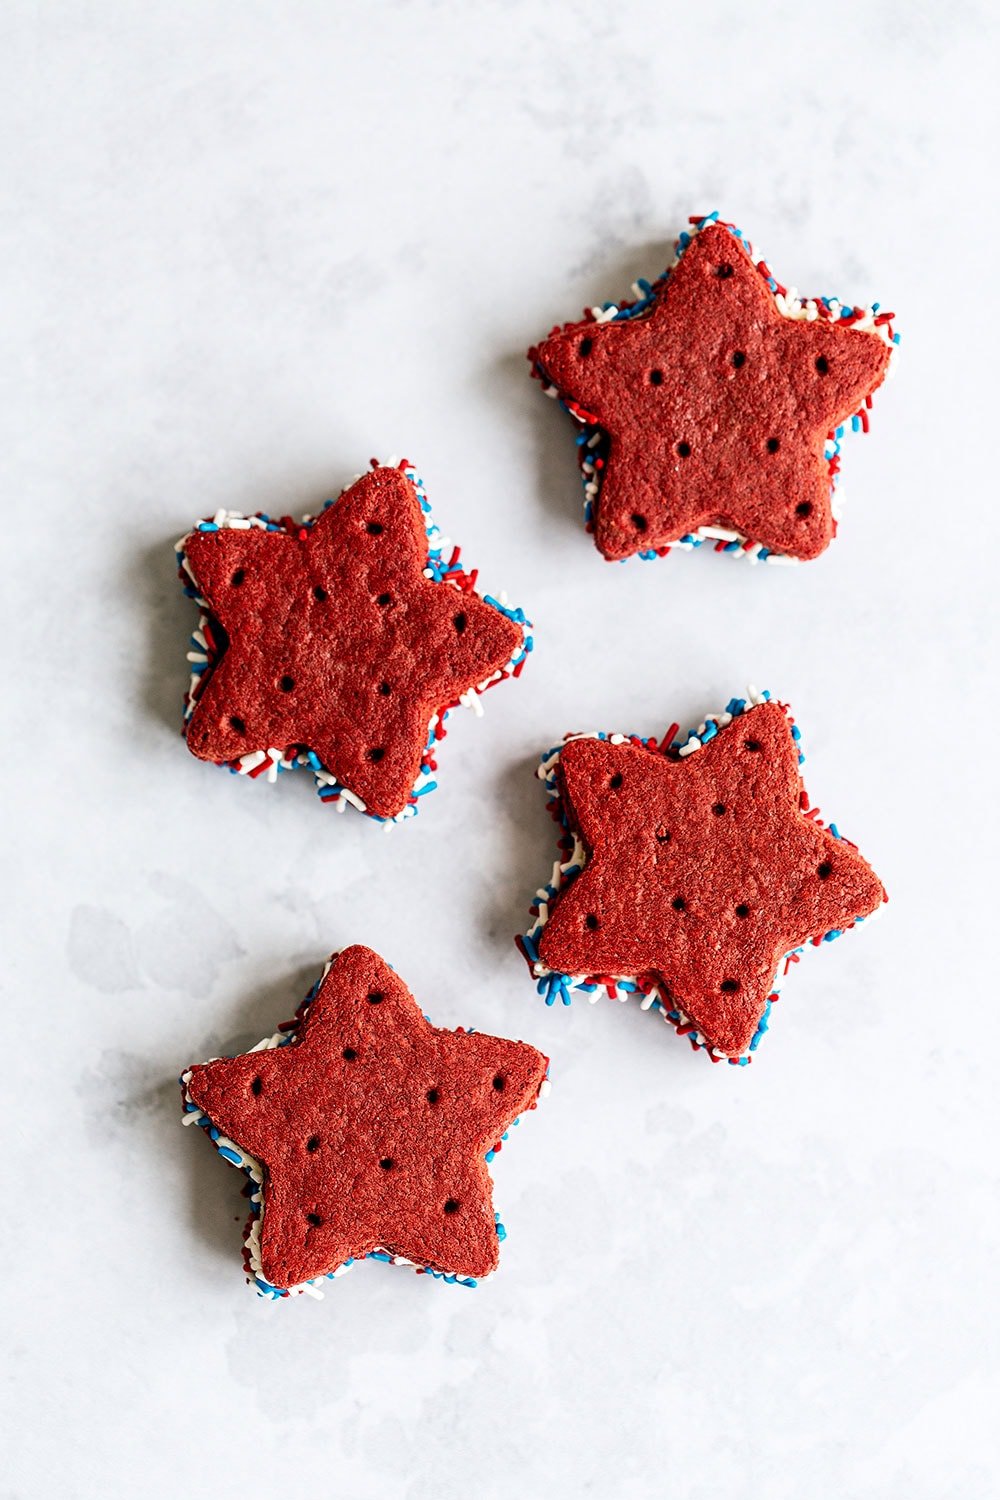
[689, 878]
[713, 407]
[366, 1131]
[335, 642]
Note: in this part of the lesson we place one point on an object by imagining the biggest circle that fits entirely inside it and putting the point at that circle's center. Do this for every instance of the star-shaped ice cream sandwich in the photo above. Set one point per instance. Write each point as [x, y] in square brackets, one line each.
[690, 878]
[366, 1131]
[712, 408]
[339, 644]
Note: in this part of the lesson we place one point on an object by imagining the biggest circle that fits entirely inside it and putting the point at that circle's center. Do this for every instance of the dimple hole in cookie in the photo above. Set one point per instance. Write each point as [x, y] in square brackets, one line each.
[238, 724]
[376, 753]
[724, 271]
[742, 911]
[825, 870]
[312, 1144]
[639, 522]
[804, 509]
[349, 1054]
[739, 359]
[616, 781]
[729, 986]
[719, 809]
[375, 997]
[822, 365]
[313, 1220]
[656, 377]
[451, 1205]
[679, 904]
[374, 528]
[320, 594]
[286, 683]
[460, 622]
[256, 1088]
[683, 450]
[591, 922]
[499, 1082]
[385, 689]
[238, 577]
[433, 1096]
[773, 444]
[387, 1164]
[584, 347]
[383, 600]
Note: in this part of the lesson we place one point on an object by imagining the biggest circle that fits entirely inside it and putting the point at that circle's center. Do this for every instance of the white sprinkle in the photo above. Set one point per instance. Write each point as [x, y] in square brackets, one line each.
[718, 534]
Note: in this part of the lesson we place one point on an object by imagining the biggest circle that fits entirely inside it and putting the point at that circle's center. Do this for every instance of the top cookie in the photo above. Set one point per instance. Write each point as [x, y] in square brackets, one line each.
[713, 407]
[334, 643]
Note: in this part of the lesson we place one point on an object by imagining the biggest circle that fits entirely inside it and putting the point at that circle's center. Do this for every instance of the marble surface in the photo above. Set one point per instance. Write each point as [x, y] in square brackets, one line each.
[248, 246]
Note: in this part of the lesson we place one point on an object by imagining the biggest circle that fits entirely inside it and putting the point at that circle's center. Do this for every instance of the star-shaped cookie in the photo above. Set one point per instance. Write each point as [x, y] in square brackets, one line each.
[340, 643]
[691, 878]
[365, 1130]
[713, 407]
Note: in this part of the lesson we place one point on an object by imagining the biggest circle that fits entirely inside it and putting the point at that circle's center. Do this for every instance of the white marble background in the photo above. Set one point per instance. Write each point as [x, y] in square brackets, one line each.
[248, 245]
